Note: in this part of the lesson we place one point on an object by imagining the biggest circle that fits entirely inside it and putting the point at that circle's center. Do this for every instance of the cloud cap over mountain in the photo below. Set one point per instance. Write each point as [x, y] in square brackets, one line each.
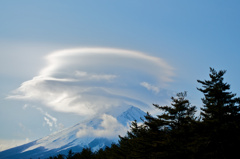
[87, 81]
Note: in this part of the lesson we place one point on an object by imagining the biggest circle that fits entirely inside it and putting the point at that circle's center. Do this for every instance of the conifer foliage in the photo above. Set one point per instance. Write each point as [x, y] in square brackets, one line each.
[219, 104]
[221, 116]
[177, 133]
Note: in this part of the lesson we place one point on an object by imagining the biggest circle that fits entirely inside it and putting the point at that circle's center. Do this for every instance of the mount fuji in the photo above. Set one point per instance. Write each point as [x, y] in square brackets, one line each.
[95, 133]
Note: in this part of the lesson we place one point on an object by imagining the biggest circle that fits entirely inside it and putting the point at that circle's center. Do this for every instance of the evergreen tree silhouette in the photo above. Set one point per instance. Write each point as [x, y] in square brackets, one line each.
[178, 119]
[220, 114]
[163, 136]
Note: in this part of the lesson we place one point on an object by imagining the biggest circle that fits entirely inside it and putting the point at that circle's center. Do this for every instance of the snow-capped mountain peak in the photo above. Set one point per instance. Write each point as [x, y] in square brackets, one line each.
[95, 133]
[131, 114]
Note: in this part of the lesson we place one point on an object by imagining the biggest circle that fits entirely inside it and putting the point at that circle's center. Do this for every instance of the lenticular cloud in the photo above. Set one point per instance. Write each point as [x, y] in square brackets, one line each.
[87, 81]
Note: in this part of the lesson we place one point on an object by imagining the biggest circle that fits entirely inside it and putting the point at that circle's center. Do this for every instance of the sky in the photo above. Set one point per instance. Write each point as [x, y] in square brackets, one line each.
[62, 62]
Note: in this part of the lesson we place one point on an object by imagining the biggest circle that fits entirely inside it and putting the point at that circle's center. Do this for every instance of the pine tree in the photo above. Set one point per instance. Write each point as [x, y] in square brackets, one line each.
[178, 120]
[180, 113]
[218, 102]
[166, 136]
[135, 144]
[70, 154]
[220, 114]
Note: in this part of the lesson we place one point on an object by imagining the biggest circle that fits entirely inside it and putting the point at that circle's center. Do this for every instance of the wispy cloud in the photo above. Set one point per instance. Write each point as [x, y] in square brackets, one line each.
[87, 81]
[150, 87]
[49, 120]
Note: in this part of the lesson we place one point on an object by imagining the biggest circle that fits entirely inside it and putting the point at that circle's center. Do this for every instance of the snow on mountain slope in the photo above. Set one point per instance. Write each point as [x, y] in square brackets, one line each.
[96, 133]
[131, 114]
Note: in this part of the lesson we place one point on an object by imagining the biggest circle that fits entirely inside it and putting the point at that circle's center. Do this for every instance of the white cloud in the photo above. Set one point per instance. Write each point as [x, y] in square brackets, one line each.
[51, 118]
[86, 76]
[87, 81]
[150, 87]
[109, 128]
[49, 123]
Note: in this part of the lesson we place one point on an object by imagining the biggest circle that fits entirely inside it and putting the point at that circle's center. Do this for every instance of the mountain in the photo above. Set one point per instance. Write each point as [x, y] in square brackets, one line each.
[99, 132]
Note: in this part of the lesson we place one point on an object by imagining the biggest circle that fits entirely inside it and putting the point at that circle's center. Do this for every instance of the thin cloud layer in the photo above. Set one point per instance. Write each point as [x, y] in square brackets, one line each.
[87, 81]
[150, 87]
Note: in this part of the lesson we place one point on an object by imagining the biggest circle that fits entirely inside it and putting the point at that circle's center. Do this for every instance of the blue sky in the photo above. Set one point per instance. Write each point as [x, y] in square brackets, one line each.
[150, 50]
